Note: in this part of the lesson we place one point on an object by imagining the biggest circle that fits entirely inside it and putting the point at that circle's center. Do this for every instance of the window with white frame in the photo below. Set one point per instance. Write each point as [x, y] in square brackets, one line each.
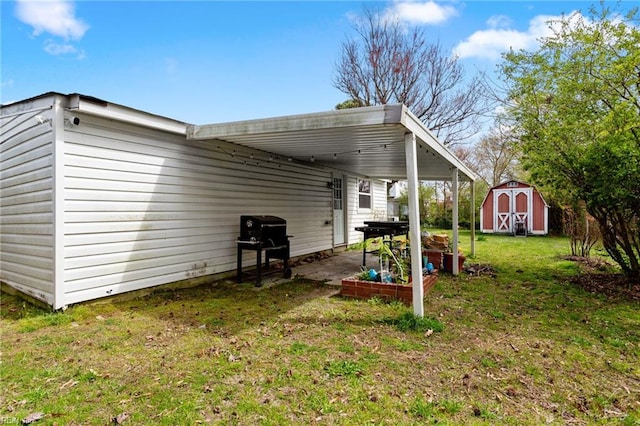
[364, 194]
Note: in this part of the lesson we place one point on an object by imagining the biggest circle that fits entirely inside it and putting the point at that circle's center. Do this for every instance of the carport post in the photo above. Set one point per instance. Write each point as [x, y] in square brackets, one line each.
[473, 218]
[454, 190]
[411, 158]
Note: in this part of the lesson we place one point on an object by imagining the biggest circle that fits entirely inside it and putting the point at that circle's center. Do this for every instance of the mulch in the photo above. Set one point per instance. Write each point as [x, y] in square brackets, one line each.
[611, 285]
[594, 280]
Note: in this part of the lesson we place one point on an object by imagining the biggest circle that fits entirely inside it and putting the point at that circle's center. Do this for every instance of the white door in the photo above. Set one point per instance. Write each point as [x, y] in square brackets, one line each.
[338, 212]
[512, 207]
[502, 207]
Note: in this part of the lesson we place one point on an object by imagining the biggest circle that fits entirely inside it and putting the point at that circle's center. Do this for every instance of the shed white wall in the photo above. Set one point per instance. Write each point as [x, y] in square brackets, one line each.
[357, 216]
[145, 207]
[26, 198]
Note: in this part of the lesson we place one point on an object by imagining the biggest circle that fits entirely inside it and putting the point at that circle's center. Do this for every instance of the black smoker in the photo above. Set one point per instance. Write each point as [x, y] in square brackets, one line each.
[263, 233]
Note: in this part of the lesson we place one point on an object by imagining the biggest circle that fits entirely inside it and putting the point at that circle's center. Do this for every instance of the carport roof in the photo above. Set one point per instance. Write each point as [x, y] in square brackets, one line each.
[368, 141]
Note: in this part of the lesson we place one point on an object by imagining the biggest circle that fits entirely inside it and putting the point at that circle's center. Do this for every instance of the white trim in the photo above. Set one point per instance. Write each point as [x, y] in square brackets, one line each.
[58, 194]
[337, 176]
[125, 114]
[511, 215]
[496, 217]
[351, 117]
[365, 209]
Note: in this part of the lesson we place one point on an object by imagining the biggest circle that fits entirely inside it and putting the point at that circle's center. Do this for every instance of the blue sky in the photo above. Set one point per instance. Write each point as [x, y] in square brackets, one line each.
[209, 61]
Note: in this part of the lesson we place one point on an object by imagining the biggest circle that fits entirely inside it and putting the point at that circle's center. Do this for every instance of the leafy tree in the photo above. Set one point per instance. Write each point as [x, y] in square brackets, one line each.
[388, 63]
[426, 202]
[349, 103]
[576, 103]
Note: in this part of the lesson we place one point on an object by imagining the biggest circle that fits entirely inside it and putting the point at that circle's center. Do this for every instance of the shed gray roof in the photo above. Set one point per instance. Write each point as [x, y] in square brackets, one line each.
[369, 141]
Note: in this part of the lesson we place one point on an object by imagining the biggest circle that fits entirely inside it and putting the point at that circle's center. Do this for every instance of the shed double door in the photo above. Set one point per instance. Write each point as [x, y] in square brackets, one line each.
[512, 206]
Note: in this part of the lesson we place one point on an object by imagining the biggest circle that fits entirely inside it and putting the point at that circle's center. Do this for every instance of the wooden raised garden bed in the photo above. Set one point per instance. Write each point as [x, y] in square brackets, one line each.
[353, 287]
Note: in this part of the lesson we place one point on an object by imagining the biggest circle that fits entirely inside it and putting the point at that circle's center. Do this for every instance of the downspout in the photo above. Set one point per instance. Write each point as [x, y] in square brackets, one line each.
[411, 158]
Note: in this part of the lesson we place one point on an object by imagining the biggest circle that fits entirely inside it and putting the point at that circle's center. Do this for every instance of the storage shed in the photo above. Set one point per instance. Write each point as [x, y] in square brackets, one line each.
[98, 199]
[516, 208]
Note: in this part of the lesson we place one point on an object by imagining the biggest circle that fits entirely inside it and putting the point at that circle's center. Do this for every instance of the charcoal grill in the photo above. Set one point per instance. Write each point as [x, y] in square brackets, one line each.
[266, 234]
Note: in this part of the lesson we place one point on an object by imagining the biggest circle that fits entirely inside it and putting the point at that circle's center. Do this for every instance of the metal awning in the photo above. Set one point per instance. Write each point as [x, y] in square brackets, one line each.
[368, 141]
[384, 142]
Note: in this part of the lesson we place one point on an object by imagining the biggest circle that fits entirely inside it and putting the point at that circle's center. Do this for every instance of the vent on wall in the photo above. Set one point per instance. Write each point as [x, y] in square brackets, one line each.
[512, 184]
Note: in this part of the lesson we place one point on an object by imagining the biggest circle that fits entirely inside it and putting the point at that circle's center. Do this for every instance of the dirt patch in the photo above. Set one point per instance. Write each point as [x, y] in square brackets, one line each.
[611, 285]
[594, 280]
[479, 269]
[590, 264]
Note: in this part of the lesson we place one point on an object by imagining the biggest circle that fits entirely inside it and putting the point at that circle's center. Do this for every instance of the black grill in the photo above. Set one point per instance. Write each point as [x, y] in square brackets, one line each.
[263, 233]
[270, 230]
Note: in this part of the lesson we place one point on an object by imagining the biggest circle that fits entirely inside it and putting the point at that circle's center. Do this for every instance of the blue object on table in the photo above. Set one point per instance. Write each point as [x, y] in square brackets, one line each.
[429, 267]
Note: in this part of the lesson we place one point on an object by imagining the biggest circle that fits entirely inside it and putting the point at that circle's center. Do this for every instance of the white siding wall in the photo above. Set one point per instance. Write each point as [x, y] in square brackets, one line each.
[356, 216]
[145, 208]
[26, 198]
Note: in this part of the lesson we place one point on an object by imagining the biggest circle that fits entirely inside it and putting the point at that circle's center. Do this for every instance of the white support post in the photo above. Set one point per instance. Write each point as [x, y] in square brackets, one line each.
[454, 191]
[411, 157]
[473, 218]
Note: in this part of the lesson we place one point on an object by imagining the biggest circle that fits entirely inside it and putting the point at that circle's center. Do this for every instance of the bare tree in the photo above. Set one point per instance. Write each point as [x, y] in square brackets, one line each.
[388, 63]
[497, 155]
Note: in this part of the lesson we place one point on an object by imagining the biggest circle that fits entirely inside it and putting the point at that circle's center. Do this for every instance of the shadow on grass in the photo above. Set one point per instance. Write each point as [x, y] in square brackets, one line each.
[214, 306]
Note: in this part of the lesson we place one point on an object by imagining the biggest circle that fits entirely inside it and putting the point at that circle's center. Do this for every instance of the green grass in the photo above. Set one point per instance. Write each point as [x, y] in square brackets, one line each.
[524, 347]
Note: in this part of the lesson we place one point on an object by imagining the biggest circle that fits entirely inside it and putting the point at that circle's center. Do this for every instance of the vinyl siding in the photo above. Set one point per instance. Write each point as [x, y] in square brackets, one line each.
[144, 207]
[26, 198]
[357, 216]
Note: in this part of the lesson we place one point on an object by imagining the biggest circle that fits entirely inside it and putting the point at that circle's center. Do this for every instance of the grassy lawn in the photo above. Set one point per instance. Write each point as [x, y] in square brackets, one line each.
[524, 347]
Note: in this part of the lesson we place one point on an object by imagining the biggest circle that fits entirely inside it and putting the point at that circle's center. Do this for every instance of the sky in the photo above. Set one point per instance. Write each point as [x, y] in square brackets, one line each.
[211, 61]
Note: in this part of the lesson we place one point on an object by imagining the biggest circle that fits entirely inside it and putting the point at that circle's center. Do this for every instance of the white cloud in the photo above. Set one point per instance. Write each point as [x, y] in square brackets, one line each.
[492, 42]
[56, 17]
[428, 12]
[499, 21]
[53, 48]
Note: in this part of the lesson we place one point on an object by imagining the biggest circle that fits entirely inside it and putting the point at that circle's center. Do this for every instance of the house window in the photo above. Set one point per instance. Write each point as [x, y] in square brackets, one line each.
[364, 194]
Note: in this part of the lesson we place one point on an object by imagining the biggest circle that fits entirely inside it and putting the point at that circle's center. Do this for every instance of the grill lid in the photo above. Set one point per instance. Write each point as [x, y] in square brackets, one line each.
[268, 229]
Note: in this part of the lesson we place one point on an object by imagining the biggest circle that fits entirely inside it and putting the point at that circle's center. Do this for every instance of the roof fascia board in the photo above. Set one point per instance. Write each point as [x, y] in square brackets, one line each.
[353, 117]
[121, 113]
[511, 180]
[413, 124]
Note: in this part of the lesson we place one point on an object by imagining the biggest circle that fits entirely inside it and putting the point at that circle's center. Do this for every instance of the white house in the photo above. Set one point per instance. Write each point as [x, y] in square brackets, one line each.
[99, 199]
